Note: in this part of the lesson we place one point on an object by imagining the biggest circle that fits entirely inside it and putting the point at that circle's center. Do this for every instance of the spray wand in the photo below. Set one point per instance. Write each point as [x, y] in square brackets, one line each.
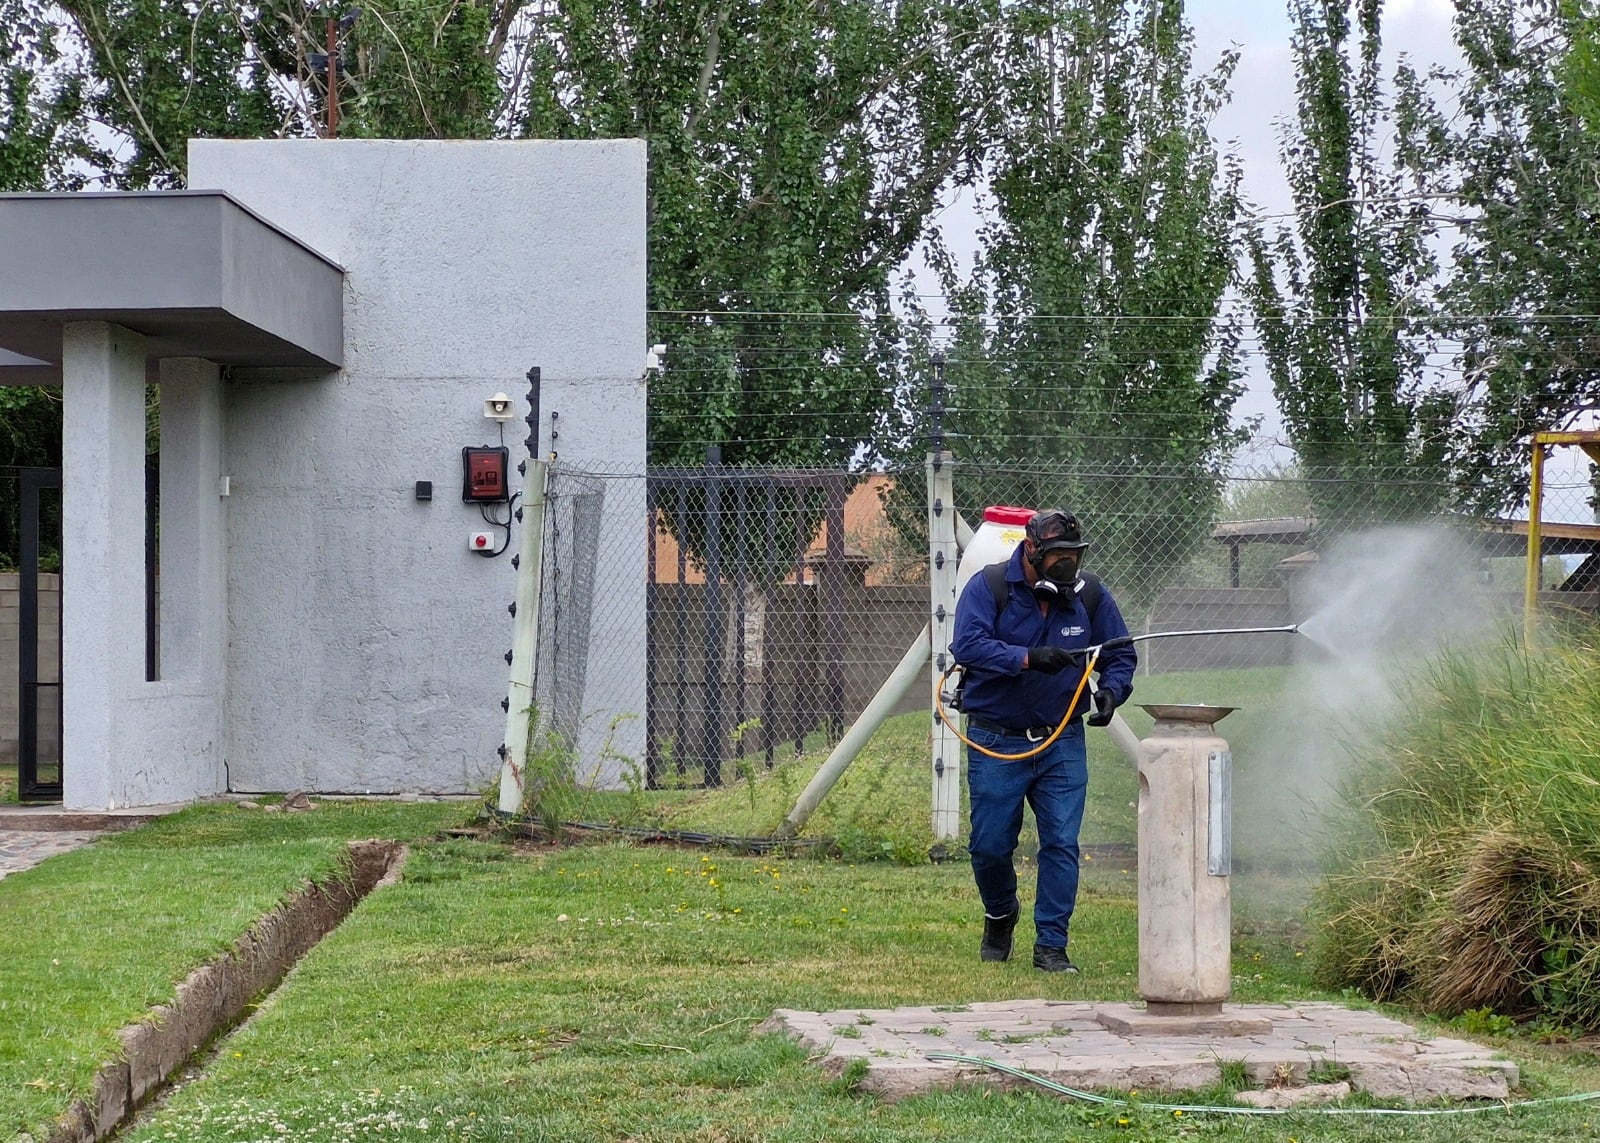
[1091, 656]
[1128, 640]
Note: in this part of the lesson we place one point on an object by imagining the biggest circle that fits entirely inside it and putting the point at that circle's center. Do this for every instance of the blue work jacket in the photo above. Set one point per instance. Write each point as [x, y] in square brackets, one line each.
[992, 646]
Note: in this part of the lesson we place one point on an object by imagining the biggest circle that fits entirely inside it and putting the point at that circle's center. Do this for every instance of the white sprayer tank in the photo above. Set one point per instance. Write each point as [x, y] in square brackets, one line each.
[1002, 530]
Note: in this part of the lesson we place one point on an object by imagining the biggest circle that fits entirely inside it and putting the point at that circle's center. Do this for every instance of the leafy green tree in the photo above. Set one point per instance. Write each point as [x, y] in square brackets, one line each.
[164, 72]
[797, 152]
[43, 140]
[1343, 301]
[1087, 362]
[796, 155]
[1519, 157]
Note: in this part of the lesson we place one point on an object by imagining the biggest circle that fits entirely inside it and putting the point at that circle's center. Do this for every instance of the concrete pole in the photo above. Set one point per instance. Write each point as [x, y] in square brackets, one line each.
[524, 642]
[1123, 736]
[943, 551]
[1185, 857]
[103, 539]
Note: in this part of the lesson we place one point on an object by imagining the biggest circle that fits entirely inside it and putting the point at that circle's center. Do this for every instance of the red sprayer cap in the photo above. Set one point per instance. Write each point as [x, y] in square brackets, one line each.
[1007, 514]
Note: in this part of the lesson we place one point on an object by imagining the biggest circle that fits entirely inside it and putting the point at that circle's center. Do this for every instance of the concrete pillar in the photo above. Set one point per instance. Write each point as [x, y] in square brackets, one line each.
[1185, 856]
[102, 557]
[193, 522]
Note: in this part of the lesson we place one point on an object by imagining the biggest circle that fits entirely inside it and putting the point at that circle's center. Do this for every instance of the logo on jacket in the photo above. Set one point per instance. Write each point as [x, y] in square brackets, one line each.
[1073, 630]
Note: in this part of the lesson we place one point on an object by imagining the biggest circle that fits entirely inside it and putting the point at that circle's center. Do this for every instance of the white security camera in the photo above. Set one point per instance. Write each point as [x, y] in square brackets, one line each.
[498, 407]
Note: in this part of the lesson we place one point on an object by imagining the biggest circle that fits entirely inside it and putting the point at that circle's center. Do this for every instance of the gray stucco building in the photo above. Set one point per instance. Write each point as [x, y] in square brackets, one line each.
[325, 320]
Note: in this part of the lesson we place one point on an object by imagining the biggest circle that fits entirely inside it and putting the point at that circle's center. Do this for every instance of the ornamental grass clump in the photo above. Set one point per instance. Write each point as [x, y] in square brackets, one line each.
[1465, 872]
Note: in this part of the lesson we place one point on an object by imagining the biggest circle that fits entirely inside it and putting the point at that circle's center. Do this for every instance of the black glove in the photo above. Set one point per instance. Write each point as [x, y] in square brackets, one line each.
[1049, 660]
[1105, 705]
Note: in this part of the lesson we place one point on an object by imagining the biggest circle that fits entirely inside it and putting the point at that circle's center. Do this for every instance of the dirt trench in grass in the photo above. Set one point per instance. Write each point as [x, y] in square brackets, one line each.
[211, 1000]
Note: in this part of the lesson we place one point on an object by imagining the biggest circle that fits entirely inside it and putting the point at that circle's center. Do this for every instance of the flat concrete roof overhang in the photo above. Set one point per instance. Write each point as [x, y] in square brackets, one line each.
[195, 272]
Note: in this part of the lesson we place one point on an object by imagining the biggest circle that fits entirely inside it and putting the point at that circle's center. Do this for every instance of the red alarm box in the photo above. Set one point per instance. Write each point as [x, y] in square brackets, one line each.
[483, 475]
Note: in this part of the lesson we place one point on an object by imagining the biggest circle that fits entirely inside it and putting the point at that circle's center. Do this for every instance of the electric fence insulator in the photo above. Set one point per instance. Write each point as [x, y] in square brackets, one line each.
[513, 609]
[505, 704]
[508, 658]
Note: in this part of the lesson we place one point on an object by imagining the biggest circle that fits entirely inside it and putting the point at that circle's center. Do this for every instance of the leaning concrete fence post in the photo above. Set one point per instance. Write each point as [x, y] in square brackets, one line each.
[525, 615]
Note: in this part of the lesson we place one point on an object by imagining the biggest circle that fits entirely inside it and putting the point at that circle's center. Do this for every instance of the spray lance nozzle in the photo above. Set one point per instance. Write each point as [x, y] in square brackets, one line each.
[1129, 640]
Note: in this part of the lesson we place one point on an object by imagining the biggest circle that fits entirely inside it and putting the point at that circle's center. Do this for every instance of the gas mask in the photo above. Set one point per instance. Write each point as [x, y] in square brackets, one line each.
[1058, 575]
[1063, 572]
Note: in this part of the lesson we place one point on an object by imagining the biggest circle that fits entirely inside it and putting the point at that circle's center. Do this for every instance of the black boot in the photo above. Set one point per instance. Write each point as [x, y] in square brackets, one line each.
[997, 936]
[1047, 958]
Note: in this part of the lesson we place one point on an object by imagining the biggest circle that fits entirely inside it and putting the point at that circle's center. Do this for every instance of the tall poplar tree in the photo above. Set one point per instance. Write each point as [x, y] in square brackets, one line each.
[1519, 157]
[1343, 299]
[1089, 364]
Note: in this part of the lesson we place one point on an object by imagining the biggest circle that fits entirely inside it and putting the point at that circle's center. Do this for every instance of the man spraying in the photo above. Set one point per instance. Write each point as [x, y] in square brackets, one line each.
[1018, 636]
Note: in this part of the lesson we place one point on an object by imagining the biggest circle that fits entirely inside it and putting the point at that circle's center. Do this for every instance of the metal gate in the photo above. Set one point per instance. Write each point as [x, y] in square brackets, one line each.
[706, 674]
[39, 703]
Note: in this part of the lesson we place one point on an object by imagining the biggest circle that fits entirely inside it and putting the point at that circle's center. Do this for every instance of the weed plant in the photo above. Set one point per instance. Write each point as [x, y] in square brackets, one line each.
[1466, 874]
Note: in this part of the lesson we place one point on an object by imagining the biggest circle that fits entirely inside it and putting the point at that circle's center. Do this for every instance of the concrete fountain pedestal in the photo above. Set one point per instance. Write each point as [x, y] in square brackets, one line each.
[1184, 1034]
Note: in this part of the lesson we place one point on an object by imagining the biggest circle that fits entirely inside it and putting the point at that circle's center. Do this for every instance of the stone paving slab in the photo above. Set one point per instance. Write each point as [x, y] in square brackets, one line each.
[24, 848]
[1068, 1042]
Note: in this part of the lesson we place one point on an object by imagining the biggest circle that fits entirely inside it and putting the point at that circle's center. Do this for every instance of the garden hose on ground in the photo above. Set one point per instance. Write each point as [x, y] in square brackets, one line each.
[1217, 1109]
[938, 698]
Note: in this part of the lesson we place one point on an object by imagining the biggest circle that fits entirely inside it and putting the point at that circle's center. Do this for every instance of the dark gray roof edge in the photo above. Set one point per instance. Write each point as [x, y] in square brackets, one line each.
[222, 194]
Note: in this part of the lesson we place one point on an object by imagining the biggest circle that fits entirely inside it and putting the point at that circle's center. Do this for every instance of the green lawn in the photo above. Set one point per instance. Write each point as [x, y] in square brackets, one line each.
[90, 940]
[586, 993]
[881, 807]
[610, 991]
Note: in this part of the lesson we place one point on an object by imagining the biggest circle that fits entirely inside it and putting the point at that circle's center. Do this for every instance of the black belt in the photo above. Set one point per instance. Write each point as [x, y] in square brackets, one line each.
[1031, 733]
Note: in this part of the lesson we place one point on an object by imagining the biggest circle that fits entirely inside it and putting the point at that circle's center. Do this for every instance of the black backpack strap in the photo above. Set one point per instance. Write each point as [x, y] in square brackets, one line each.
[1091, 592]
[995, 576]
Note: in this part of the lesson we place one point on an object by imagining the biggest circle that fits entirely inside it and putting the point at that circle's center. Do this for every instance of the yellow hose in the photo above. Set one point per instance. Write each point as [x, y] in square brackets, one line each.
[938, 702]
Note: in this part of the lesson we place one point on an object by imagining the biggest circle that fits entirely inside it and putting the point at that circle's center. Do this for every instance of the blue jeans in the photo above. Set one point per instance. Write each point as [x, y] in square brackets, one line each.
[1054, 784]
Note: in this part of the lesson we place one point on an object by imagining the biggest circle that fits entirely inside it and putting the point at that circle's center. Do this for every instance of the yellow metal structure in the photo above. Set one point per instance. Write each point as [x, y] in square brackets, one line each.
[1589, 442]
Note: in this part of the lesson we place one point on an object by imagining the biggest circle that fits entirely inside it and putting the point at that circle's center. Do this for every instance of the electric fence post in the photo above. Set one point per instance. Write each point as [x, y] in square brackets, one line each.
[524, 653]
[942, 555]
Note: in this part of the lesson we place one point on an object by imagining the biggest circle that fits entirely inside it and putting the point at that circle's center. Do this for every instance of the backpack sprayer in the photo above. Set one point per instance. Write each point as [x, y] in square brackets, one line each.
[1091, 653]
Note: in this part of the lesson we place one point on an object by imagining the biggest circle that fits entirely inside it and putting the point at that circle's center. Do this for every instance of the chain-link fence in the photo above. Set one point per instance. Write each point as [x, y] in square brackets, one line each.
[776, 601]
